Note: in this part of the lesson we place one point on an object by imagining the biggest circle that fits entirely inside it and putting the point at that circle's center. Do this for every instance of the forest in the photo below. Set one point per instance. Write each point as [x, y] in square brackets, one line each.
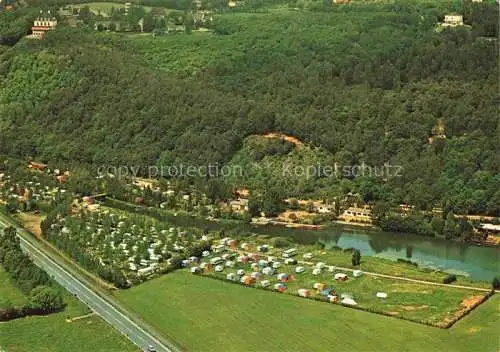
[374, 83]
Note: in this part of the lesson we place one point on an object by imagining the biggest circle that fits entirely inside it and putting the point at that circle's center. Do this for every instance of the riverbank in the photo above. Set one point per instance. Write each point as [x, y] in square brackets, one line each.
[376, 246]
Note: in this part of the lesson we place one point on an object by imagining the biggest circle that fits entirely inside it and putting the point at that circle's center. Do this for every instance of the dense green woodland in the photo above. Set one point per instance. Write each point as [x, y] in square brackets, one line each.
[363, 83]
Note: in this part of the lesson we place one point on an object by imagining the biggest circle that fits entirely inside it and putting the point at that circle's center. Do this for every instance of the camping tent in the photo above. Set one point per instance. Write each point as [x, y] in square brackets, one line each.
[268, 270]
[242, 259]
[283, 277]
[340, 276]
[327, 291]
[299, 269]
[349, 302]
[319, 286]
[265, 283]
[241, 272]
[316, 271]
[195, 270]
[247, 280]
[381, 295]
[232, 276]
[256, 275]
[333, 298]
[357, 273]
[279, 287]
[303, 292]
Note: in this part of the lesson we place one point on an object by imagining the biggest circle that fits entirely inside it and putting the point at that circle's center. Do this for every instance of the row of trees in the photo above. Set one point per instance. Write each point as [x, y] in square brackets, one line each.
[34, 282]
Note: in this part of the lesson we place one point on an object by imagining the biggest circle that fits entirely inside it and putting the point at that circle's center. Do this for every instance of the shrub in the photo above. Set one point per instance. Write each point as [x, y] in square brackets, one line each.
[495, 284]
[449, 279]
[406, 261]
[280, 242]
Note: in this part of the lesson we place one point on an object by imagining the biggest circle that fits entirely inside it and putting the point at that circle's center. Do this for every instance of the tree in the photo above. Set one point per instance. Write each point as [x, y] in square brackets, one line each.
[495, 284]
[293, 203]
[86, 15]
[148, 23]
[46, 298]
[310, 207]
[437, 224]
[188, 23]
[253, 206]
[356, 257]
[451, 229]
[271, 203]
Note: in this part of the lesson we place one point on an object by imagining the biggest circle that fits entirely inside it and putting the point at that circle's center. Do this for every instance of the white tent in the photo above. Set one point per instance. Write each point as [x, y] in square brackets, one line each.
[316, 271]
[268, 270]
[256, 275]
[357, 273]
[265, 283]
[349, 302]
[299, 269]
[381, 295]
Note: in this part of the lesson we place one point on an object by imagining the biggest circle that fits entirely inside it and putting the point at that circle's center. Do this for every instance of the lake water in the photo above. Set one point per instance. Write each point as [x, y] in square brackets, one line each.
[479, 263]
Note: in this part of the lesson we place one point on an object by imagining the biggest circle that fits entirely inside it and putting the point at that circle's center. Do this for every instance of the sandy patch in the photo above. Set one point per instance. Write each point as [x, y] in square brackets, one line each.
[412, 308]
[392, 313]
[290, 139]
[299, 215]
[32, 223]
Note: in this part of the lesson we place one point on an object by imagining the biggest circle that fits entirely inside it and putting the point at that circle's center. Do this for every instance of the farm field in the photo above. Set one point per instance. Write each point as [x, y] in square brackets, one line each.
[52, 333]
[9, 294]
[105, 7]
[206, 315]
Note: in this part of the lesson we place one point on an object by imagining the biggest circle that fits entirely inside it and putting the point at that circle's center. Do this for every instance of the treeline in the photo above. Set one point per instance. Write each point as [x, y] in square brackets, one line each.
[43, 297]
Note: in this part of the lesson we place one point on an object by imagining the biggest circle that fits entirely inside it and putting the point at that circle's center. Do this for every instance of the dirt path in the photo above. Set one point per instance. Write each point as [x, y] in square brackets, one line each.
[80, 317]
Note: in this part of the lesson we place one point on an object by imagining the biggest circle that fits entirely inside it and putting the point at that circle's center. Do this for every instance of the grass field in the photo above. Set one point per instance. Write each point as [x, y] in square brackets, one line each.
[52, 333]
[10, 296]
[202, 314]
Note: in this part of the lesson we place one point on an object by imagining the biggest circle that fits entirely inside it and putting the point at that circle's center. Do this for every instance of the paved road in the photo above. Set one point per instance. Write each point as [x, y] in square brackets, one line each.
[78, 286]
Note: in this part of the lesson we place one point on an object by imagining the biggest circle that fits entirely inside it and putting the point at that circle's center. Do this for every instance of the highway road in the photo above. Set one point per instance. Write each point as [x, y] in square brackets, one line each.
[80, 287]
